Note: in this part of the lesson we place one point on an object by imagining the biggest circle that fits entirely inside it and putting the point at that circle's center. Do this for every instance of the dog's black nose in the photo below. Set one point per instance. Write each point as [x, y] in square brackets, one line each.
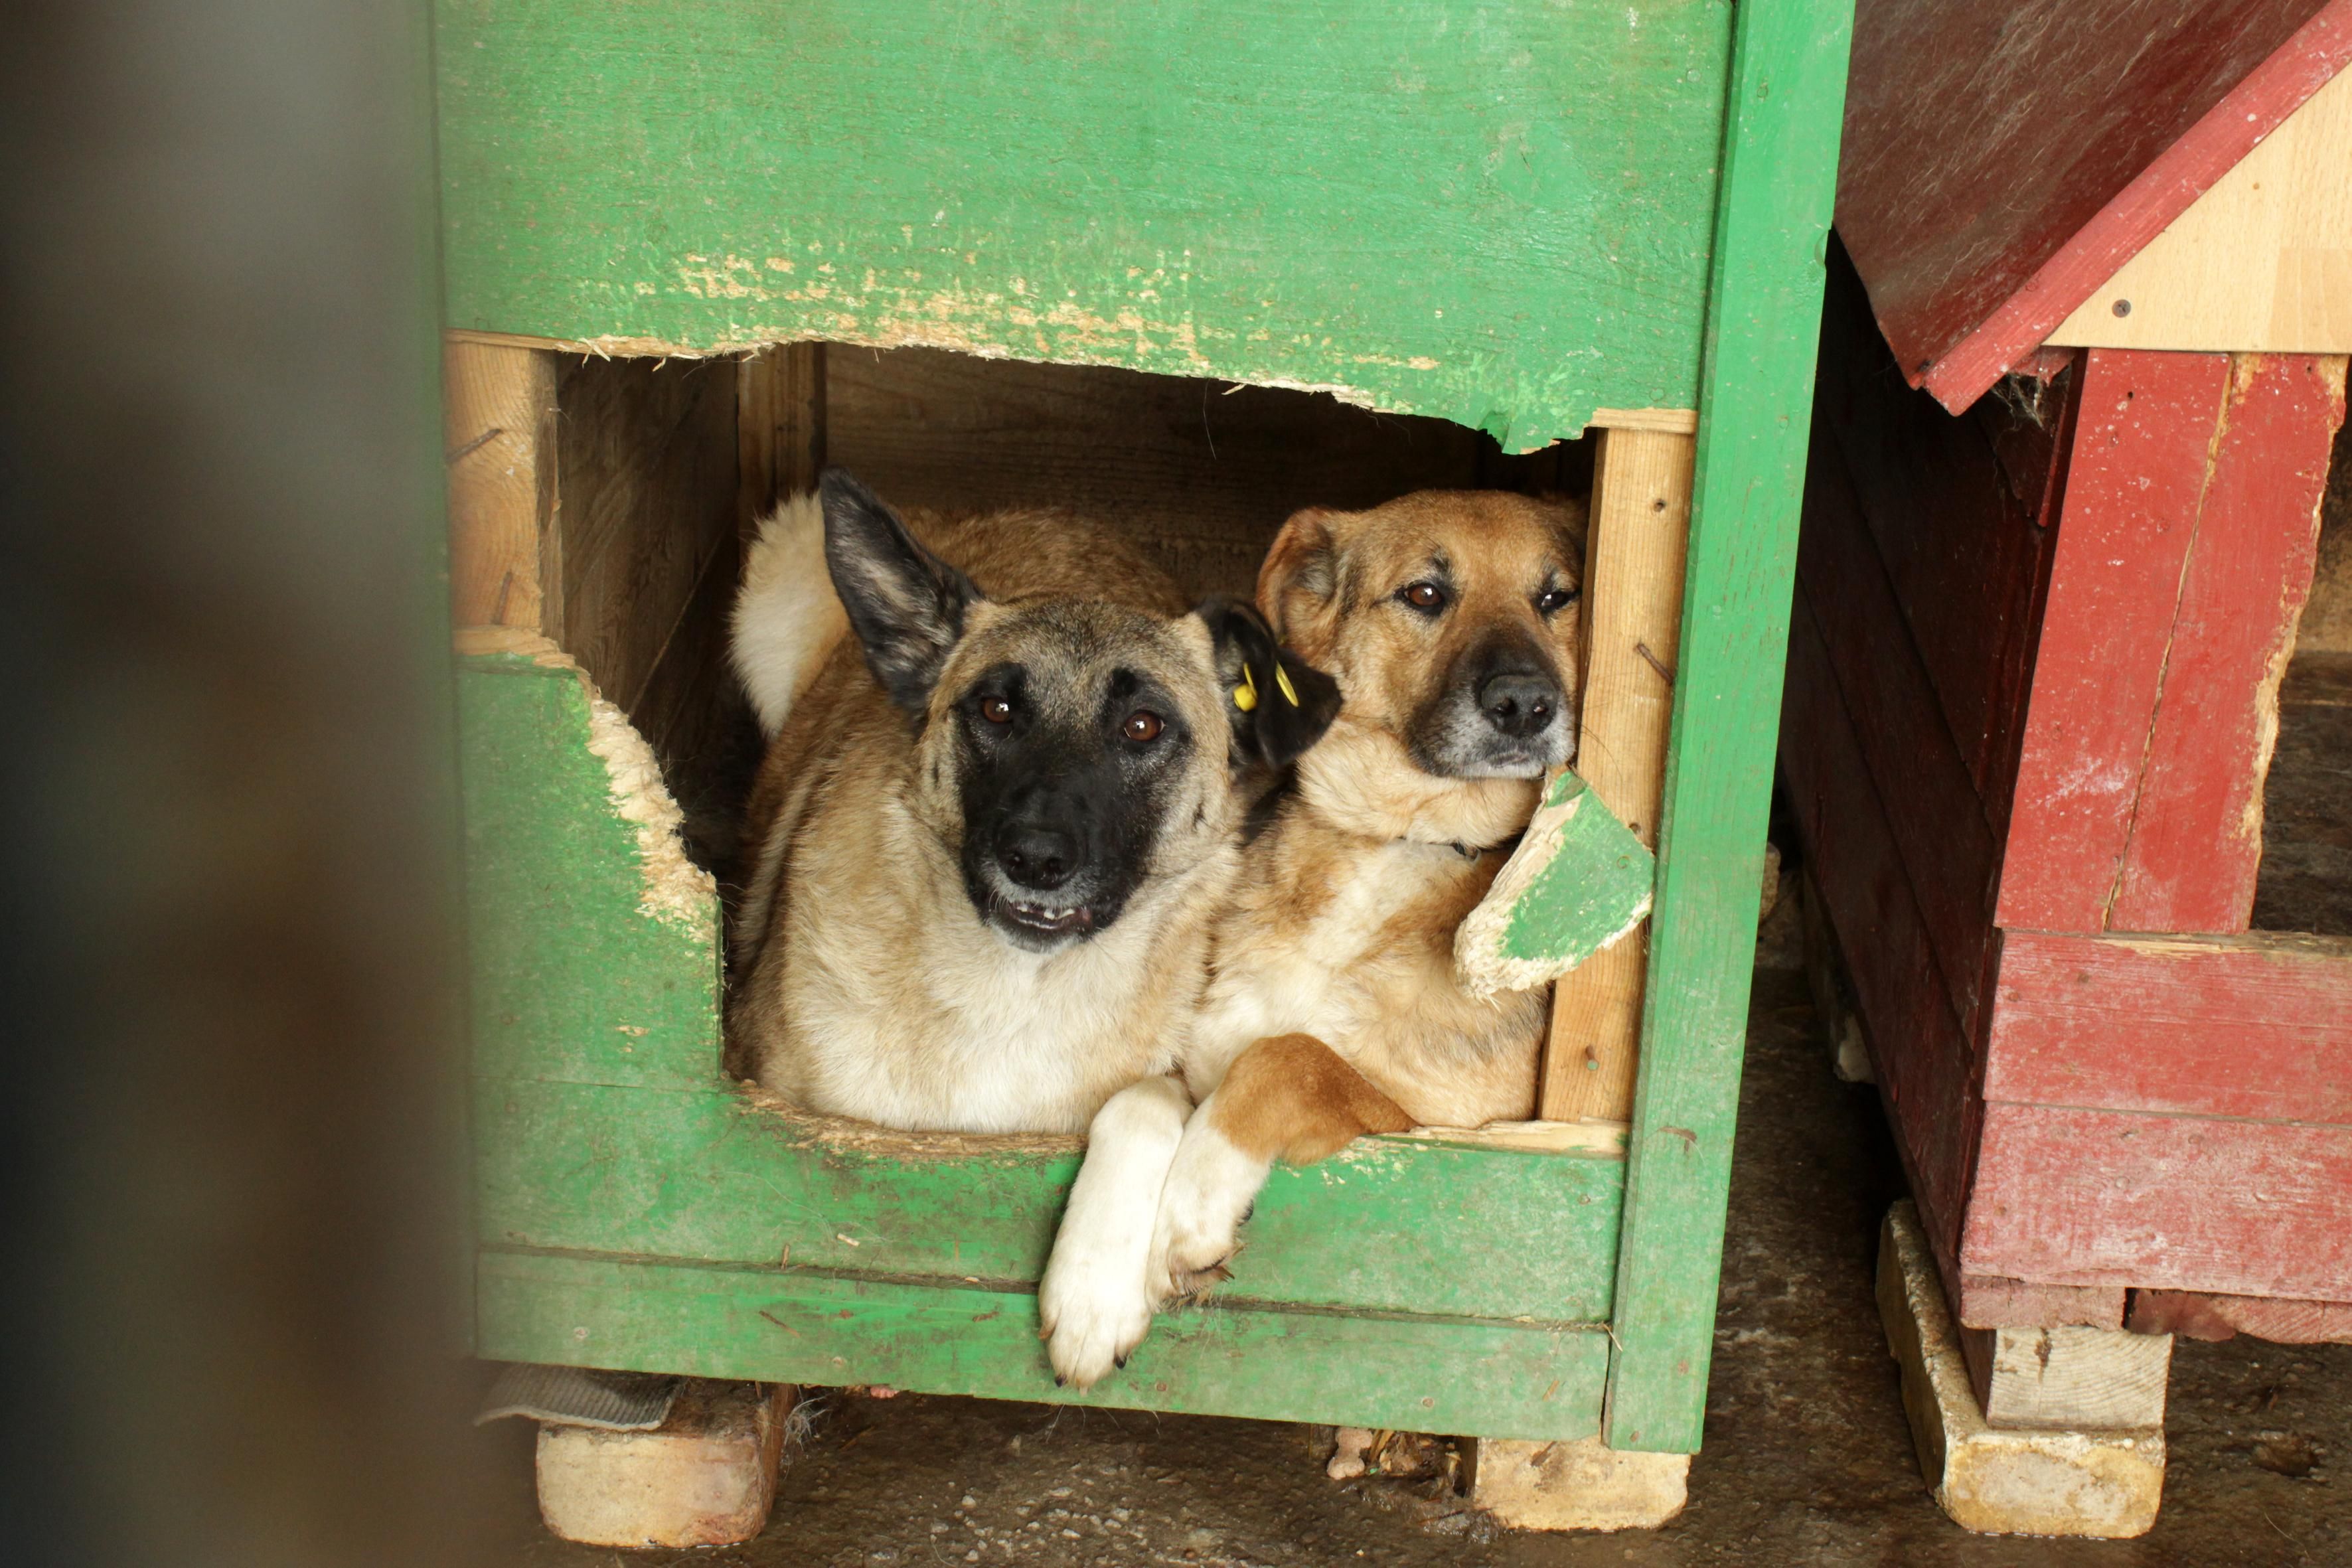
[1036, 856]
[1519, 705]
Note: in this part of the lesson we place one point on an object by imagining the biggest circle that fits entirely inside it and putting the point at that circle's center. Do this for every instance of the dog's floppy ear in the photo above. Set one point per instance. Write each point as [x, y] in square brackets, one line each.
[1299, 585]
[1276, 703]
[905, 603]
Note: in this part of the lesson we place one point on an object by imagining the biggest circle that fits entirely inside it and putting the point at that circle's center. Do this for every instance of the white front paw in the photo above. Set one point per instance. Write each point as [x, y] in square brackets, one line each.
[1209, 1191]
[1092, 1308]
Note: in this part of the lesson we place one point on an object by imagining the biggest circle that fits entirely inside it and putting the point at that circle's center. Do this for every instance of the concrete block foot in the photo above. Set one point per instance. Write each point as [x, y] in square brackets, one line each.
[1582, 1485]
[707, 1476]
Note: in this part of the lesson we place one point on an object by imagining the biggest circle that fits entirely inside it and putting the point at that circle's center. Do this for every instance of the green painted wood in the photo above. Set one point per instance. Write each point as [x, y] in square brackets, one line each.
[571, 977]
[1234, 1358]
[1494, 211]
[1578, 881]
[1780, 165]
[1388, 1225]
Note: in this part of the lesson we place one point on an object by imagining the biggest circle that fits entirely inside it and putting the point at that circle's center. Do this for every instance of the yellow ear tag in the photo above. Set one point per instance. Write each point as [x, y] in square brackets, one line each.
[1245, 694]
[1282, 679]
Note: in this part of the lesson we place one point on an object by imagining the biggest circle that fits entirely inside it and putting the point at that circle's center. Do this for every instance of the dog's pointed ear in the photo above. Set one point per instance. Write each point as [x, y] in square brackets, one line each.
[905, 603]
[1276, 703]
[1299, 585]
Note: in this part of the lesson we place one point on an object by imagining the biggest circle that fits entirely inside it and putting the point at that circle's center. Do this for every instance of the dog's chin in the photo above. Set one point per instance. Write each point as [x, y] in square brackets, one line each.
[1490, 762]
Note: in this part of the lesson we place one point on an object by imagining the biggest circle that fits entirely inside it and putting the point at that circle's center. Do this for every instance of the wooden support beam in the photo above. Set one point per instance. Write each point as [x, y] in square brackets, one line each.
[1632, 602]
[497, 413]
[2072, 1378]
[2202, 1315]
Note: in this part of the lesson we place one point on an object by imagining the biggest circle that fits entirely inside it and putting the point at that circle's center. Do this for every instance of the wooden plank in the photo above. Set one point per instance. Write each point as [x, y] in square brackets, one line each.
[588, 957]
[1499, 213]
[1978, 233]
[2256, 1026]
[651, 469]
[1779, 157]
[1640, 534]
[2178, 1202]
[1989, 1301]
[1230, 1357]
[2068, 1379]
[2200, 1315]
[2196, 827]
[2262, 261]
[1386, 1225]
[1932, 813]
[2134, 484]
[1960, 511]
[498, 414]
[1925, 1063]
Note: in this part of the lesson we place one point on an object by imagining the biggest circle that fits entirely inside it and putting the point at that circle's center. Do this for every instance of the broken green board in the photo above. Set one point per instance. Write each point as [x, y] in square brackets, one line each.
[1578, 883]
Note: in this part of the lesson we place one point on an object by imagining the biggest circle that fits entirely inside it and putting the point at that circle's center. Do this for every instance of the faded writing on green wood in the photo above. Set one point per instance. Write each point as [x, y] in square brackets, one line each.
[1494, 211]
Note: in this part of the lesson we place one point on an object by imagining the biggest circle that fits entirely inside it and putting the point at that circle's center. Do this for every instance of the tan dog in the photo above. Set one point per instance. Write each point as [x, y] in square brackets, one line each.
[992, 827]
[1451, 620]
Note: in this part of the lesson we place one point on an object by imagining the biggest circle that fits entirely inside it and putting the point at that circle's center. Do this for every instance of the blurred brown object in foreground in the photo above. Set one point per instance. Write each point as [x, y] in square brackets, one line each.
[235, 1265]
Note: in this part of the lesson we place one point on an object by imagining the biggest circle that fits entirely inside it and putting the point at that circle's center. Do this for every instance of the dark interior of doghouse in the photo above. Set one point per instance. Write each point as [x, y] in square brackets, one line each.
[662, 467]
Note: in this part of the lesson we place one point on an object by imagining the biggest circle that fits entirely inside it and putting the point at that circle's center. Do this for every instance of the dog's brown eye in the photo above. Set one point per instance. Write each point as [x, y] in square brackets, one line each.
[1142, 725]
[996, 709]
[1425, 597]
[1553, 599]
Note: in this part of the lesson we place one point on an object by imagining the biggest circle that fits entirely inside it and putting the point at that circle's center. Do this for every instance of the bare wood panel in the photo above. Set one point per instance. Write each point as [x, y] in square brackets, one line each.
[497, 411]
[651, 469]
[2253, 1025]
[2262, 261]
[2184, 1202]
[1203, 472]
[780, 425]
[1633, 606]
[2068, 1379]
[1990, 1302]
[2202, 1315]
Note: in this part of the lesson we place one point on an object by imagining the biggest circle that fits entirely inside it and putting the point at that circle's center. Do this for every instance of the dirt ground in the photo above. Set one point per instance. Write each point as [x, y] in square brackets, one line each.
[1807, 1457]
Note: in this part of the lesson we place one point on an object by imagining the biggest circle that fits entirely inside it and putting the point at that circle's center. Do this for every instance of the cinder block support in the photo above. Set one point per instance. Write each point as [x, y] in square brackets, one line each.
[707, 1476]
[1583, 1485]
[2000, 1480]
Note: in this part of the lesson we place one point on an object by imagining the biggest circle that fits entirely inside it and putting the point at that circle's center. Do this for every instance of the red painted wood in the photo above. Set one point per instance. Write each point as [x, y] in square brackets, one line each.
[2069, 1196]
[1955, 509]
[2197, 1315]
[2197, 833]
[1924, 1062]
[2256, 1026]
[1988, 1302]
[1977, 232]
[2136, 474]
[1947, 852]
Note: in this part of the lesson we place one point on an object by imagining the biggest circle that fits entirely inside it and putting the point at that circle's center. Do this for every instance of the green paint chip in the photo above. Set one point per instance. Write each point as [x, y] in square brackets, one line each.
[1578, 883]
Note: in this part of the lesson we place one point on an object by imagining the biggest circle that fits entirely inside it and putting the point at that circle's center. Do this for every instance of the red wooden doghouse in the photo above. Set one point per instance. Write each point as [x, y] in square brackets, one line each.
[2045, 602]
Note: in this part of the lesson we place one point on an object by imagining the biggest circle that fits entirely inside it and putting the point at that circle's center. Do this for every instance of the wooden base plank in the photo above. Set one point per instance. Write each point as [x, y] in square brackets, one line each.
[2104, 1197]
[1229, 1358]
[1386, 1225]
[2202, 1315]
[2102, 1483]
[1991, 1301]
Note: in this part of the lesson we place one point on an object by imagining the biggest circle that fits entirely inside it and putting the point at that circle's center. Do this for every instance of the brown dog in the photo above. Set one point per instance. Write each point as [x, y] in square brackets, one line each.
[1451, 620]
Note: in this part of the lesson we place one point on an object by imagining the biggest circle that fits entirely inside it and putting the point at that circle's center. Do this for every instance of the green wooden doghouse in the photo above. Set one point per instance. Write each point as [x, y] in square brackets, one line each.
[1527, 218]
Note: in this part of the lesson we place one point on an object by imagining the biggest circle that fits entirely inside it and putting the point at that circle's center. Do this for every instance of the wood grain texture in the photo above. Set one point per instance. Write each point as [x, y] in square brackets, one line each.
[497, 424]
[2257, 1026]
[1978, 233]
[2200, 1315]
[1990, 1302]
[1233, 1357]
[2262, 261]
[2134, 482]
[1780, 156]
[1387, 1226]
[1640, 535]
[1497, 213]
[2197, 826]
[2178, 1202]
[780, 425]
[2068, 1379]
[1925, 1064]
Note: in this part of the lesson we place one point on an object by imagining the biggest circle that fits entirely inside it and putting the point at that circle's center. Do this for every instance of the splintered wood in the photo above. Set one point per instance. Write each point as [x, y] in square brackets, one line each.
[1633, 601]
